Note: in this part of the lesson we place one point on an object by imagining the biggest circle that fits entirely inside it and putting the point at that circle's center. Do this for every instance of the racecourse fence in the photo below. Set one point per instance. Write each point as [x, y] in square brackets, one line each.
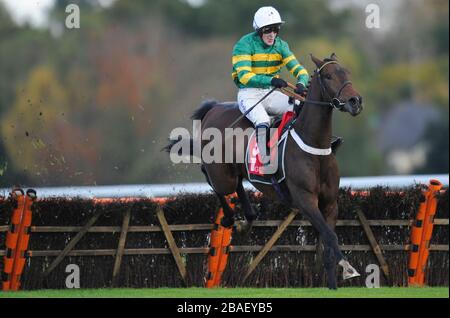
[125, 245]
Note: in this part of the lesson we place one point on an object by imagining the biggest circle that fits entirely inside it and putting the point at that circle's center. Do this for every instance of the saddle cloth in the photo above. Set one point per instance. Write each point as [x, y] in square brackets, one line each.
[255, 169]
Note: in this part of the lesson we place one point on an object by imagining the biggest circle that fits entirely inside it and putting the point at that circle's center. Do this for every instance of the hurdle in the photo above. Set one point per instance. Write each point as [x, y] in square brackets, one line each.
[17, 238]
[421, 233]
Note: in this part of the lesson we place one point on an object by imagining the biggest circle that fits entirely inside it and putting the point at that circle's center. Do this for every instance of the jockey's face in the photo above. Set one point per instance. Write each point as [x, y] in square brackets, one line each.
[269, 39]
[269, 34]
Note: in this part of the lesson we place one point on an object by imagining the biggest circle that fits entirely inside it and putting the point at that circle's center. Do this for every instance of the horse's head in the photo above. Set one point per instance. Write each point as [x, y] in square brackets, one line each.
[335, 85]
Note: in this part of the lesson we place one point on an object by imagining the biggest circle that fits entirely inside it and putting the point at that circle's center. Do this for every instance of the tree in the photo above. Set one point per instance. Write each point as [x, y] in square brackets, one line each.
[32, 127]
[234, 17]
[436, 138]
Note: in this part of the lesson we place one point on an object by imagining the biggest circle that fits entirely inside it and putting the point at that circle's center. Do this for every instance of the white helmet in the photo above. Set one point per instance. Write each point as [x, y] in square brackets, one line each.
[266, 16]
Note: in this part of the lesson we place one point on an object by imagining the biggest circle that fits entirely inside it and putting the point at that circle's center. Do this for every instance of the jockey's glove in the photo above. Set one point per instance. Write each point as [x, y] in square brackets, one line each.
[301, 90]
[278, 82]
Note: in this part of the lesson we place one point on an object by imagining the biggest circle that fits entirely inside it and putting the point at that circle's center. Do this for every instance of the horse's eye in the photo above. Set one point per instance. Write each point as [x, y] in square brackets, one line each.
[328, 76]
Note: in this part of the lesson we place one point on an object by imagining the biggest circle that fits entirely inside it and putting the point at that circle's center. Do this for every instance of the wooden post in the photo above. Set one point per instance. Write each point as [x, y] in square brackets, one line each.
[172, 245]
[270, 243]
[373, 242]
[121, 247]
[72, 243]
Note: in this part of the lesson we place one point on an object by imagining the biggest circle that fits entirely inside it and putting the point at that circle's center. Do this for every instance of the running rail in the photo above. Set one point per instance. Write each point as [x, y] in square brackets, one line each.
[168, 190]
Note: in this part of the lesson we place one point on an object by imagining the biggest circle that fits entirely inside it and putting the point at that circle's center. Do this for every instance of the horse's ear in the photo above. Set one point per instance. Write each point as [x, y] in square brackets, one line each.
[316, 61]
[333, 57]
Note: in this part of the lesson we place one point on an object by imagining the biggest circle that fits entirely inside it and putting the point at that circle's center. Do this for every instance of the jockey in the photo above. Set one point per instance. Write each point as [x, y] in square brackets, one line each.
[257, 60]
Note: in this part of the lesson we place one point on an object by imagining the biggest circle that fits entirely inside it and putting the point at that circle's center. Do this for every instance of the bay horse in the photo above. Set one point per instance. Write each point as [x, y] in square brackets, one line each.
[311, 180]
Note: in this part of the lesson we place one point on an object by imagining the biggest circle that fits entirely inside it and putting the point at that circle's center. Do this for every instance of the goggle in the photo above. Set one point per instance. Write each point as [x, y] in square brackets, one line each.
[270, 29]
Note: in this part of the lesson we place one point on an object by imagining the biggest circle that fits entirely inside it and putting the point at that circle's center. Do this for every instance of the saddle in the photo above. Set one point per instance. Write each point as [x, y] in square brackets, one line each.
[256, 170]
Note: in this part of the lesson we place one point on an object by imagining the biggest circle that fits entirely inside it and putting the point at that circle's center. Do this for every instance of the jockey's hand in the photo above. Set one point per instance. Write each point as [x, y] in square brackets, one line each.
[278, 82]
[301, 90]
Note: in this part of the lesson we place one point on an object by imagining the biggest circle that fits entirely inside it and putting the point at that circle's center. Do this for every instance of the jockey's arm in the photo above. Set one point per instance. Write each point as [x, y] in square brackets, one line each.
[294, 67]
[242, 65]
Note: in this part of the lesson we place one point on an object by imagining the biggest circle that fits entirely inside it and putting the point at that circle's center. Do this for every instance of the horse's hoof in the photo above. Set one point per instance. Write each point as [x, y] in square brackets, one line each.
[350, 272]
[347, 270]
[332, 285]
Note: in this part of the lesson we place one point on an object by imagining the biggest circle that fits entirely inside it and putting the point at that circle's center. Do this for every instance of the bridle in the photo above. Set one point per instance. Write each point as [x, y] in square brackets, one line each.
[334, 102]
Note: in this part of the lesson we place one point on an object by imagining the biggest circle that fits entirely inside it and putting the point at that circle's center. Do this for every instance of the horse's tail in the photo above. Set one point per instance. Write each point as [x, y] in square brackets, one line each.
[205, 107]
[198, 114]
[168, 148]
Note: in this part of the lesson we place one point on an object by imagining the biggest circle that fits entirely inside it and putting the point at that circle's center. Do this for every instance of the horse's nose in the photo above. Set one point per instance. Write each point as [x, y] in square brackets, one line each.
[355, 101]
[355, 104]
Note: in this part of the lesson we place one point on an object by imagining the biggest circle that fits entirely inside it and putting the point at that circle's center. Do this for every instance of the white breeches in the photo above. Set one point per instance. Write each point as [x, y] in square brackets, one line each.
[275, 104]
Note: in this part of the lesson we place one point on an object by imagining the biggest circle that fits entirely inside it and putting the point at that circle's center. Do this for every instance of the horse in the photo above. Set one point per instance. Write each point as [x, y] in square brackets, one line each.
[311, 180]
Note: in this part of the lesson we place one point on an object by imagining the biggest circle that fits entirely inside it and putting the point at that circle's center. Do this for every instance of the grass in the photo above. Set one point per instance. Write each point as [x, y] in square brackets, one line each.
[386, 292]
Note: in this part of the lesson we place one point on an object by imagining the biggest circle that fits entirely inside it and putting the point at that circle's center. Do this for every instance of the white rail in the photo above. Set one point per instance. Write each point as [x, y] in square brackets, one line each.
[165, 190]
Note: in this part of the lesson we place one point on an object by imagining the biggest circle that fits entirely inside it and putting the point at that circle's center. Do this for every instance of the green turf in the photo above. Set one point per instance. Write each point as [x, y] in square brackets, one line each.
[386, 292]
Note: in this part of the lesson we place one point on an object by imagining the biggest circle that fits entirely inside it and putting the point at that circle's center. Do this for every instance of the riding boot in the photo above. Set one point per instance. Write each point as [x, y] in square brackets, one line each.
[336, 142]
[262, 139]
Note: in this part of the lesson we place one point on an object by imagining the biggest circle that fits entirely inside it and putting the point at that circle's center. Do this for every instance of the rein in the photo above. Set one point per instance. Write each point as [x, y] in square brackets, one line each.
[334, 102]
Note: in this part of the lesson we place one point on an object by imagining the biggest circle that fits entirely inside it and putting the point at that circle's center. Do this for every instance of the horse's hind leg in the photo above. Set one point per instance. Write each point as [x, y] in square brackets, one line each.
[206, 175]
[223, 183]
[250, 214]
[228, 213]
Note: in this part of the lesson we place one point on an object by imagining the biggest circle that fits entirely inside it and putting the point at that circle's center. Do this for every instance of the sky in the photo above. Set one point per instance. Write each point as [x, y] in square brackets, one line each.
[32, 11]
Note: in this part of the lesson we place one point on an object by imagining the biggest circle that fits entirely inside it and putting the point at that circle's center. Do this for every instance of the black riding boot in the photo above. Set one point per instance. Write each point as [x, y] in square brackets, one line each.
[336, 142]
[262, 139]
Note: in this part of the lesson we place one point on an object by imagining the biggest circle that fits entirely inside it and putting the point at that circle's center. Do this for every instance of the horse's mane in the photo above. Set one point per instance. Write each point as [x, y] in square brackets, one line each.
[205, 107]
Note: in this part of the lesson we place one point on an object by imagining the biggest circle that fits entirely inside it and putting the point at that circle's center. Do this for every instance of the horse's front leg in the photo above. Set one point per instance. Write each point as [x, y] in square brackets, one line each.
[330, 212]
[308, 204]
[221, 179]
